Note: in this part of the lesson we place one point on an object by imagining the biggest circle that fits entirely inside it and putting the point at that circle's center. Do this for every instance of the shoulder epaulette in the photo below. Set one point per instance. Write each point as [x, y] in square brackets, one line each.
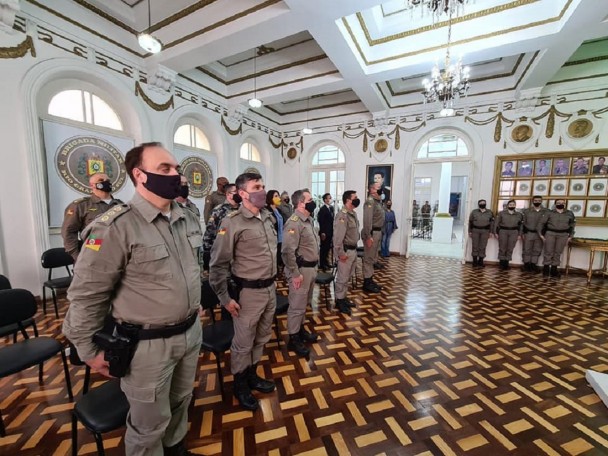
[80, 200]
[233, 213]
[344, 210]
[294, 218]
[108, 217]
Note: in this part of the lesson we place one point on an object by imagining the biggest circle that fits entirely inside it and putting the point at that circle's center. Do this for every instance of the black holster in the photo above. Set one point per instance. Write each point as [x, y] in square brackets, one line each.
[118, 349]
[234, 289]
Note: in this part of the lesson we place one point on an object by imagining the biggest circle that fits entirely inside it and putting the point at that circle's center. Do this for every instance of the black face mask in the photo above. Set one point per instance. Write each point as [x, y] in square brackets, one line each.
[184, 191]
[286, 200]
[559, 206]
[482, 206]
[165, 186]
[310, 206]
[104, 186]
[356, 202]
[537, 204]
[511, 208]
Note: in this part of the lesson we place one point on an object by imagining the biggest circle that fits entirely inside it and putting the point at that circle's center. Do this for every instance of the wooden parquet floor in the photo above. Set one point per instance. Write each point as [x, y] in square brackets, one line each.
[444, 361]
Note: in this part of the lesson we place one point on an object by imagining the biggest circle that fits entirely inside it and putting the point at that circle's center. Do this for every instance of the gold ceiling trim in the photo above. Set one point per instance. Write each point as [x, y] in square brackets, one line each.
[582, 78]
[273, 52]
[454, 43]
[261, 89]
[200, 84]
[156, 106]
[333, 105]
[599, 58]
[221, 23]
[467, 17]
[105, 15]
[16, 52]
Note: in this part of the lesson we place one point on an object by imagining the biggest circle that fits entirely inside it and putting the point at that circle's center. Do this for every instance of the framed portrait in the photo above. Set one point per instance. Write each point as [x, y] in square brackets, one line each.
[598, 187]
[578, 187]
[542, 167]
[599, 166]
[541, 187]
[524, 188]
[561, 167]
[559, 187]
[580, 167]
[525, 168]
[508, 169]
[382, 175]
[577, 207]
[596, 208]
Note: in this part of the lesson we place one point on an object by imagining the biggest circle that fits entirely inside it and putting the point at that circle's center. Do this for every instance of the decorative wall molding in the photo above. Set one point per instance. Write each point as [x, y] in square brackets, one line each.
[160, 78]
[20, 50]
[8, 13]
[139, 91]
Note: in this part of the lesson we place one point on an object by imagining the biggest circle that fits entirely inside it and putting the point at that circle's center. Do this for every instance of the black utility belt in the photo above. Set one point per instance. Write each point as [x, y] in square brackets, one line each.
[350, 247]
[260, 283]
[376, 229]
[549, 230]
[487, 227]
[505, 228]
[528, 230]
[307, 264]
[130, 330]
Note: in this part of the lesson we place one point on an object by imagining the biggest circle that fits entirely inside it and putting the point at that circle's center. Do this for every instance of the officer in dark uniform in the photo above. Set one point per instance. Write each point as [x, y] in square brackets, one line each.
[84, 210]
[508, 228]
[325, 217]
[481, 223]
[215, 219]
[183, 200]
[556, 229]
[216, 198]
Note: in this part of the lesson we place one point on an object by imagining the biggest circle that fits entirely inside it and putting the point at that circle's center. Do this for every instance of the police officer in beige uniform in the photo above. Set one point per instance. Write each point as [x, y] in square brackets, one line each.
[481, 223]
[246, 245]
[84, 210]
[556, 229]
[215, 198]
[533, 244]
[140, 262]
[508, 228]
[371, 234]
[346, 237]
[183, 200]
[301, 257]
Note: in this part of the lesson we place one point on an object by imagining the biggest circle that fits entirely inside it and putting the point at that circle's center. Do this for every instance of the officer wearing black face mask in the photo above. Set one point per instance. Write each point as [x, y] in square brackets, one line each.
[182, 199]
[508, 228]
[83, 211]
[481, 223]
[533, 244]
[556, 230]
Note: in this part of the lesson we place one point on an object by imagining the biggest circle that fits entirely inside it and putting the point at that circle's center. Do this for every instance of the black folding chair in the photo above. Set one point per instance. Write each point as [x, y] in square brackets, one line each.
[16, 306]
[14, 329]
[281, 309]
[56, 258]
[325, 279]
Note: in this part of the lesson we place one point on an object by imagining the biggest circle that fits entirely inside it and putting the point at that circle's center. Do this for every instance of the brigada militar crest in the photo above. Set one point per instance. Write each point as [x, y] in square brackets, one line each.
[199, 175]
[78, 158]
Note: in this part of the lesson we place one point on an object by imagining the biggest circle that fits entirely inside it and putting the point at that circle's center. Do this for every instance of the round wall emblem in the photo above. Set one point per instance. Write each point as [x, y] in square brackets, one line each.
[292, 153]
[78, 158]
[381, 145]
[199, 175]
[521, 133]
[580, 128]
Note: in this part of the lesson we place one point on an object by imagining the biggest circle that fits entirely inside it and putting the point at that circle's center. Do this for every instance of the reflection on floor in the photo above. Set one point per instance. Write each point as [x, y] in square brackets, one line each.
[425, 246]
[446, 360]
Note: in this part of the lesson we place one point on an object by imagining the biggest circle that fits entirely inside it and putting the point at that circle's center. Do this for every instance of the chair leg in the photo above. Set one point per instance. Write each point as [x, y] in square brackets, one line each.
[325, 292]
[40, 372]
[66, 371]
[44, 300]
[87, 380]
[220, 376]
[74, 435]
[99, 442]
[277, 329]
[55, 302]
[35, 329]
[2, 429]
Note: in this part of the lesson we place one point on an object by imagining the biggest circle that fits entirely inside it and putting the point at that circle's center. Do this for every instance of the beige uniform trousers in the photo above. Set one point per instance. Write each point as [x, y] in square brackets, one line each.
[554, 246]
[479, 240]
[506, 243]
[370, 255]
[299, 299]
[346, 269]
[159, 388]
[253, 326]
[533, 246]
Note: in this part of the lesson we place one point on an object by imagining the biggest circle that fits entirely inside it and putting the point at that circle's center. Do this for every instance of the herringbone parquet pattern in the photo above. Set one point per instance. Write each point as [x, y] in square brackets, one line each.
[444, 361]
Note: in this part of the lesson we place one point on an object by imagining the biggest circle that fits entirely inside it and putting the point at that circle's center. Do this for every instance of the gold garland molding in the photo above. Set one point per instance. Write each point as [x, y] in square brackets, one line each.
[230, 131]
[157, 107]
[16, 52]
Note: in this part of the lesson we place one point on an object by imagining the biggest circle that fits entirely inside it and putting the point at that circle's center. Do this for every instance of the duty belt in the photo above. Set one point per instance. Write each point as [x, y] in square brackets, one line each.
[507, 228]
[487, 227]
[376, 228]
[350, 247]
[157, 333]
[260, 283]
[307, 264]
[557, 231]
[528, 230]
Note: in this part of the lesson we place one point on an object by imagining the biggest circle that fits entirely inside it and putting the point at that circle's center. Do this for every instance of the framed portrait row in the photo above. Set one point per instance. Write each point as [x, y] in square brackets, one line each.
[581, 178]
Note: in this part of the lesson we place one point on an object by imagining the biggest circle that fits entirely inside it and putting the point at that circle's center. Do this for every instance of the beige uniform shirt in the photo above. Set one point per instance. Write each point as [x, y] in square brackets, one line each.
[213, 199]
[558, 222]
[346, 231]
[373, 217]
[246, 245]
[192, 207]
[141, 264]
[506, 219]
[300, 239]
[77, 216]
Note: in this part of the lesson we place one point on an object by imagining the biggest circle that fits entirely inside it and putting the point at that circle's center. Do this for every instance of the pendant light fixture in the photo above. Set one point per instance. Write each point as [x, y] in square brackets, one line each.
[148, 42]
[307, 130]
[255, 102]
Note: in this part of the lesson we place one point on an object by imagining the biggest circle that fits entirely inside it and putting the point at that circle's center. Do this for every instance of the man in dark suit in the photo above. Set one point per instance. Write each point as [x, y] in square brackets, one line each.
[325, 217]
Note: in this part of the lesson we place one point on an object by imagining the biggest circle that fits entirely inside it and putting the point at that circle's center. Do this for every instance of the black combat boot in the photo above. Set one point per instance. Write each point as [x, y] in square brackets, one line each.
[378, 266]
[258, 383]
[546, 269]
[349, 303]
[370, 286]
[527, 267]
[555, 272]
[306, 336]
[342, 306]
[501, 265]
[295, 344]
[475, 261]
[242, 391]
[534, 268]
[177, 450]
[480, 263]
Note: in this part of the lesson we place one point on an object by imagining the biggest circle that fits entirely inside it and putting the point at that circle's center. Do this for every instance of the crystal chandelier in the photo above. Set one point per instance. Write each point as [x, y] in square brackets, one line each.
[448, 84]
[437, 7]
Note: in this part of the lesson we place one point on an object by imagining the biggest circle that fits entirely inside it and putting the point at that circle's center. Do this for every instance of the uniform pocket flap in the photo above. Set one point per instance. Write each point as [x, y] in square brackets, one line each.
[150, 253]
[196, 240]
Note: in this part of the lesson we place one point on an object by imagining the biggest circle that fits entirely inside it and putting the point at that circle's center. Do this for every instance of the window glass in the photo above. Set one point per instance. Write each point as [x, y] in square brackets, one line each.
[82, 106]
[250, 152]
[444, 145]
[191, 136]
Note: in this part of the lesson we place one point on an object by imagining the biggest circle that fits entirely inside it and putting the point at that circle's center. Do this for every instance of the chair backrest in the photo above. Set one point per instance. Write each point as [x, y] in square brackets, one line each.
[16, 305]
[5, 284]
[209, 299]
[56, 258]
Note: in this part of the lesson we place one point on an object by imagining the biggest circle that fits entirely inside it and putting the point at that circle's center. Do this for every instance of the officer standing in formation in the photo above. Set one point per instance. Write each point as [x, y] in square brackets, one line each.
[325, 217]
[371, 234]
[533, 244]
[140, 262]
[246, 245]
[215, 198]
[183, 200]
[300, 256]
[556, 229]
[346, 237]
[215, 219]
[84, 210]
[508, 227]
[481, 223]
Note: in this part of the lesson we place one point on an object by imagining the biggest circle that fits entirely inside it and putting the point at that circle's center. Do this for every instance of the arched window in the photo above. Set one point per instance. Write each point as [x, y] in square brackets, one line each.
[83, 106]
[327, 176]
[250, 152]
[191, 136]
[443, 145]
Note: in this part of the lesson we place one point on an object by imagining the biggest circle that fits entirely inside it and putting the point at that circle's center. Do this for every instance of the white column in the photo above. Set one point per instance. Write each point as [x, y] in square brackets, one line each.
[445, 185]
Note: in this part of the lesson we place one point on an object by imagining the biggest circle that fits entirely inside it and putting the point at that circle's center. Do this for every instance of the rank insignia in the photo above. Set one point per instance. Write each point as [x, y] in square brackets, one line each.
[222, 231]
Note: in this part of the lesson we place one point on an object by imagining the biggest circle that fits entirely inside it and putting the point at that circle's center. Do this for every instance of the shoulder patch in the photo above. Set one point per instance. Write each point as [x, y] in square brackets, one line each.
[295, 218]
[108, 217]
